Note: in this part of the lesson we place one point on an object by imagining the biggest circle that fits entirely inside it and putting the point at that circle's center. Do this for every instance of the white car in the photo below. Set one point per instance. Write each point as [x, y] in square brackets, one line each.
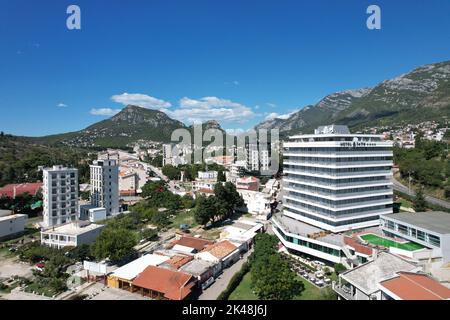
[320, 263]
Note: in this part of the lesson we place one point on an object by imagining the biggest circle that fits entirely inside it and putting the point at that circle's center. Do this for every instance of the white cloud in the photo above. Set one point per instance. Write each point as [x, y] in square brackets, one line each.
[285, 116]
[141, 100]
[104, 111]
[62, 105]
[271, 116]
[208, 108]
[275, 115]
[272, 105]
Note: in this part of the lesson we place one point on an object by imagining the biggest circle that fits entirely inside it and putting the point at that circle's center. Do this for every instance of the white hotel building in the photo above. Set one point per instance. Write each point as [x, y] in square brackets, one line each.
[335, 181]
[60, 193]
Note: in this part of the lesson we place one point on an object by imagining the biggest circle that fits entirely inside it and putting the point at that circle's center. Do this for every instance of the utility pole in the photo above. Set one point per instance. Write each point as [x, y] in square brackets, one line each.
[409, 182]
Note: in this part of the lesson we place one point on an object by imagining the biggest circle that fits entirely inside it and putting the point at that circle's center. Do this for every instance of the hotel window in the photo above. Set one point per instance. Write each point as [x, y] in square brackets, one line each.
[435, 241]
[420, 235]
[402, 229]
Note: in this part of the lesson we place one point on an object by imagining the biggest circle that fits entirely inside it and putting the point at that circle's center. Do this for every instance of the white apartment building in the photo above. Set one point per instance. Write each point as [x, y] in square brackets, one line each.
[336, 180]
[206, 180]
[105, 185]
[60, 193]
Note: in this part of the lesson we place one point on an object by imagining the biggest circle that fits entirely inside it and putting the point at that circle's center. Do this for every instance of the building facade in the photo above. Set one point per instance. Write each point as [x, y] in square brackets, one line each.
[336, 180]
[105, 185]
[60, 194]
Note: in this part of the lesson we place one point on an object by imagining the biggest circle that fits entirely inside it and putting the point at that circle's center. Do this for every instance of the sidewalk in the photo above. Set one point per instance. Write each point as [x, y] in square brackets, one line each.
[222, 281]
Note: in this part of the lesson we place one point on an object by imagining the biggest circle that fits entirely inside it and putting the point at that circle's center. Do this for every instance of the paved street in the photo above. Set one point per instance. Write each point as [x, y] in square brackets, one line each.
[400, 187]
[222, 282]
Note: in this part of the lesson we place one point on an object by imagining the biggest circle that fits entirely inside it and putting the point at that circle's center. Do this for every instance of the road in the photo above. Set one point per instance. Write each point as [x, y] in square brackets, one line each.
[173, 187]
[400, 187]
[222, 281]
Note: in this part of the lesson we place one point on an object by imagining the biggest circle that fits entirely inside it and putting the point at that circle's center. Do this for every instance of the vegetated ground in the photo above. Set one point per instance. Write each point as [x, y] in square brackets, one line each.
[429, 191]
[311, 292]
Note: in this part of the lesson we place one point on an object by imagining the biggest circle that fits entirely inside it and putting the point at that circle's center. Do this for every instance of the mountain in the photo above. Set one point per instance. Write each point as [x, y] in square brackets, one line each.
[129, 125]
[420, 95]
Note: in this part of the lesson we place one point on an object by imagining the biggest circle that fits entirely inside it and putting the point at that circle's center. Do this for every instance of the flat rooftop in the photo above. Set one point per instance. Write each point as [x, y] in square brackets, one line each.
[73, 229]
[12, 216]
[196, 267]
[303, 229]
[367, 276]
[436, 221]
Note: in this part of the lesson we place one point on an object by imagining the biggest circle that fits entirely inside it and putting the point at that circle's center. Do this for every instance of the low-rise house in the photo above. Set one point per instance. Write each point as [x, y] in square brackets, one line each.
[361, 283]
[123, 277]
[11, 224]
[71, 234]
[247, 183]
[200, 269]
[189, 244]
[242, 233]
[14, 190]
[206, 180]
[413, 286]
[223, 254]
[161, 283]
[257, 203]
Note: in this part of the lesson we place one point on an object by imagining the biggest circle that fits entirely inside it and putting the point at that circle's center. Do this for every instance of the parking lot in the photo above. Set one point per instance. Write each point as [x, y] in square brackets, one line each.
[99, 292]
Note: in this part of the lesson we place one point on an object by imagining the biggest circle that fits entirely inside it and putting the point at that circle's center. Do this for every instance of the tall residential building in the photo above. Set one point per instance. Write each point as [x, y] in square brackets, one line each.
[336, 180]
[105, 185]
[258, 157]
[60, 192]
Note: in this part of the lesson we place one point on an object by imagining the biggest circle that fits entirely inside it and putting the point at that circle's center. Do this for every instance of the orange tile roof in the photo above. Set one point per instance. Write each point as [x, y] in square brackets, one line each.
[221, 249]
[174, 285]
[177, 261]
[193, 242]
[413, 286]
[357, 246]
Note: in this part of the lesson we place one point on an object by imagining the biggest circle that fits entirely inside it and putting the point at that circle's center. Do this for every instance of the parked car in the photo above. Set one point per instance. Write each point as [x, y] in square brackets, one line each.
[39, 267]
[207, 283]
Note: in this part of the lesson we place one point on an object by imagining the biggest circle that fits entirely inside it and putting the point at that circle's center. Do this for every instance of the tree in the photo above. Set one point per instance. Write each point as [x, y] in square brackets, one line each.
[339, 268]
[221, 176]
[115, 244]
[171, 172]
[419, 203]
[271, 276]
[204, 210]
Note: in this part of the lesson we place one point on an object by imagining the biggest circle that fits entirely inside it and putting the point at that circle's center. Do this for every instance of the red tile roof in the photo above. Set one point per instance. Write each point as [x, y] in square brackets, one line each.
[360, 248]
[192, 242]
[221, 249]
[413, 286]
[31, 188]
[177, 261]
[173, 285]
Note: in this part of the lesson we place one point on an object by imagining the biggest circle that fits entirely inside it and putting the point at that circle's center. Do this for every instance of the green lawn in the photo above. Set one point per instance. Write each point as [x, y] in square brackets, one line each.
[311, 292]
[380, 241]
[243, 291]
[184, 217]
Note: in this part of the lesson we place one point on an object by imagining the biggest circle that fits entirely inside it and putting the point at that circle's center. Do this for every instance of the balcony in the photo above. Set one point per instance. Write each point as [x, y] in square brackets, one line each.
[345, 291]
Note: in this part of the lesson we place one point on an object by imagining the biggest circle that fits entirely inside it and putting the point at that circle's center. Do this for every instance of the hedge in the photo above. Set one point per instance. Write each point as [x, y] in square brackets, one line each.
[234, 282]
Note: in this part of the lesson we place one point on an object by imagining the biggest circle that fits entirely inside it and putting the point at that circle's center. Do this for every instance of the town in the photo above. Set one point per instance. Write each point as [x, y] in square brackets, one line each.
[150, 225]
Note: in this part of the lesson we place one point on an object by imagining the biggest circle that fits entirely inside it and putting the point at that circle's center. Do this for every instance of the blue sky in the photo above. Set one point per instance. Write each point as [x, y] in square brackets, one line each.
[235, 61]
